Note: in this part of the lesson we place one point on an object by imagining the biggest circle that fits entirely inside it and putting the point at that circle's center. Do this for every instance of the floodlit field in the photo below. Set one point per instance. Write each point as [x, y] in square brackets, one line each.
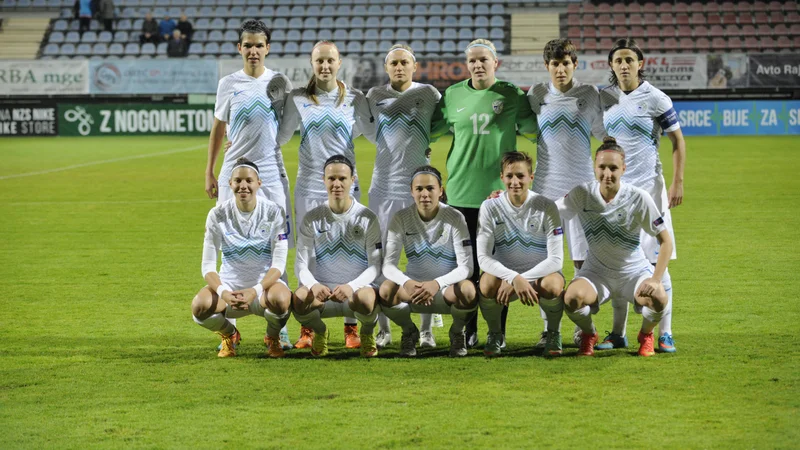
[101, 243]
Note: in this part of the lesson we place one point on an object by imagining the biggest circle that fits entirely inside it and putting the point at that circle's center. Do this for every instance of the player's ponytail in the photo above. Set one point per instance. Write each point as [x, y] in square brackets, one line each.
[610, 145]
[311, 87]
[342, 92]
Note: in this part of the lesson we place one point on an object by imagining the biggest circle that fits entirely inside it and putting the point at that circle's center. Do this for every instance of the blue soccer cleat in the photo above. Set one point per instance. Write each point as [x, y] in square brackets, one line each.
[666, 344]
[612, 341]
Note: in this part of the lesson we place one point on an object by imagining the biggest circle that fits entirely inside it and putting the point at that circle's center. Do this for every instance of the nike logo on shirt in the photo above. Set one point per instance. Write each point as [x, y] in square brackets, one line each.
[410, 234]
[237, 93]
[461, 109]
[306, 105]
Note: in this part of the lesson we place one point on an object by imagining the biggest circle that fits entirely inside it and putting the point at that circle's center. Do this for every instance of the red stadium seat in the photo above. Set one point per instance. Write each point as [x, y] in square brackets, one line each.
[650, 19]
[697, 19]
[732, 30]
[760, 6]
[763, 30]
[619, 20]
[776, 17]
[602, 20]
[697, 7]
[714, 19]
[686, 44]
[794, 30]
[637, 31]
[573, 8]
[649, 6]
[653, 31]
[712, 7]
[574, 33]
[681, 19]
[775, 6]
[604, 8]
[745, 18]
[749, 30]
[716, 31]
[734, 43]
[729, 19]
[751, 43]
[793, 17]
[653, 45]
[574, 20]
[621, 31]
[767, 43]
[727, 7]
[718, 43]
[702, 44]
[743, 6]
[589, 32]
[780, 29]
[670, 45]
[620, 7]
[785, 43]
[589, 45]
[665, 8]
[681, 7]
[700, 31]
[605, 32]
[683, 30]
[761, 18]
[589, 8]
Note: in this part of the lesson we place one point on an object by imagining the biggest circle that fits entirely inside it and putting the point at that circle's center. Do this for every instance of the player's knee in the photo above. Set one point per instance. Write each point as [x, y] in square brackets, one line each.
[466, 294]
[489, 285]
[658, 301]
[572, 299]
[201, 306]
[387, 293]
[552, 286]
[279, 299]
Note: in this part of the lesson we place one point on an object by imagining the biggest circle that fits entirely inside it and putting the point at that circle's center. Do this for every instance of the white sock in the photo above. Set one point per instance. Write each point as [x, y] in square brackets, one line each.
[620, 321]
[460, 317]
[492, 312]
[217, 323]
[401, 315]
[582, 318]
[368, 322]
[426, 322]
[233, 321]
[650, 318]
[543, 315]
[553, 308]
[275, 322]
[350, 321]
[384, 324]
[665, 326]
[311, 320]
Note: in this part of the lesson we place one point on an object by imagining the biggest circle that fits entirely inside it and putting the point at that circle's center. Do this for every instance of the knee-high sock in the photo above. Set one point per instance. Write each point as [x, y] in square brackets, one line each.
[620, 317]
[275, 322]
[553, 308]
[460, 317]
[311, 320]
[350, 321]
[665, 326]
[401, 315]
[217, 323]
[491, 311]
[650, 318]
[543, 314]
[368, 321]
[383, 323]
[426, 322]
[582, 318]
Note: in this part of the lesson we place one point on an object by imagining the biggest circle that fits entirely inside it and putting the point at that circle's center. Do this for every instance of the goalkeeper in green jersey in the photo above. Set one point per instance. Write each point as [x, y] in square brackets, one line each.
[484, 114]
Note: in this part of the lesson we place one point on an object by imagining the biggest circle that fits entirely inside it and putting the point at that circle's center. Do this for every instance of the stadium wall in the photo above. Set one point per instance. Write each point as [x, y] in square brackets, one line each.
[129, 97]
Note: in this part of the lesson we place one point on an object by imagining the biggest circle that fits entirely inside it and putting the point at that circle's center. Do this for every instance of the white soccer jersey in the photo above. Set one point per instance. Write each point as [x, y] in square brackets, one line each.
[403, 127]
[526, 240]
[252, 108]
[325, 130]
[636, 120]
[563, 146]
[251, 243]
[438, 250]
[613, 229]
[339, 248]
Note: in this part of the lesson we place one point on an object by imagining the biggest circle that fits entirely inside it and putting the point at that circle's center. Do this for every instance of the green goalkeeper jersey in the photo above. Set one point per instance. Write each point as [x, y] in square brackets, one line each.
[484, 124]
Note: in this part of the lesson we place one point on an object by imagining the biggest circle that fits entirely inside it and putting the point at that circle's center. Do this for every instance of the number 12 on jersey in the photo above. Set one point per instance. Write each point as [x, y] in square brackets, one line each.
[483, 119]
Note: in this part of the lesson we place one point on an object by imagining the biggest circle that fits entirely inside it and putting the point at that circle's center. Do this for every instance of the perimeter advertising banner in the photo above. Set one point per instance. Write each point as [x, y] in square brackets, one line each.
[28, 120]
[36, 77]
[101, 119]
[298, 70]
[775, 70]
[727, 118]
[142, 76]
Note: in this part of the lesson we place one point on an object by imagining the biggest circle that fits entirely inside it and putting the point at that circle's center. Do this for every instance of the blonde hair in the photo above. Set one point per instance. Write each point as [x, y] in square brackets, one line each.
[405, 47]
[311, 87]
[483, 43]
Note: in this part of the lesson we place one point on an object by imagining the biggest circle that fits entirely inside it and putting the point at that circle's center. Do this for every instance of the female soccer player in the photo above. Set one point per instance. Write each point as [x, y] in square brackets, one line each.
[568, 113]
[613, 215]
[330, 116]
[251, 233]
[635, 113]
[338, 259]
[248, 107]
[437, 246]
[403, 111]
[484, 114]
[520, 250]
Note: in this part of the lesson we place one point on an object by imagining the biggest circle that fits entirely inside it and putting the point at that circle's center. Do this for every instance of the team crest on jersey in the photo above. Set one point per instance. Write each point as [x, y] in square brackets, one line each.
[358, 231]
[497, 106]
[535, 222]
[622, 216]
[641, 108]
[418, 103]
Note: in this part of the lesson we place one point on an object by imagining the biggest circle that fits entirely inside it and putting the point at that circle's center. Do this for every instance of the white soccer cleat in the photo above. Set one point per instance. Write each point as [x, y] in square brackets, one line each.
[383, 339]
[426, 340]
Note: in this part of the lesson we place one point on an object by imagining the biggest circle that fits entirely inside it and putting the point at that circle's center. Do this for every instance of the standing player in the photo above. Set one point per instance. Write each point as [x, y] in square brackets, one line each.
[568, 113]
[403, 111]
[330, 116]
[248, 107]
[437, 246]
[338, 259]
[484, 113]
[520, 250]
[635, 113]
[613, 216]
[251, 233]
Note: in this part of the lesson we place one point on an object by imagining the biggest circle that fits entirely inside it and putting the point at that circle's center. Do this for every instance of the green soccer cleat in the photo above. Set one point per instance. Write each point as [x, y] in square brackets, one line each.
[493, 343]
[553, 345]
[319, 345]
[369, 347]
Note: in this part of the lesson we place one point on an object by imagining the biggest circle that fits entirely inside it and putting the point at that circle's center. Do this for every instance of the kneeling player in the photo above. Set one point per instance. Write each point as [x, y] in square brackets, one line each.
[251, 232]
[520, 250]
[338, 259]
[436, 280]
[613, 215]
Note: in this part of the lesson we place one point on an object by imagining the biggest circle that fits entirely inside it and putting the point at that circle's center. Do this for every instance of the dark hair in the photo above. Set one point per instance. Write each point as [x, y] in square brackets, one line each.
[255, 27]
[557, 49]
[623, 44]
[515, 157]
[246, 162]
[339, 159]
[428, 170]
[610, 144]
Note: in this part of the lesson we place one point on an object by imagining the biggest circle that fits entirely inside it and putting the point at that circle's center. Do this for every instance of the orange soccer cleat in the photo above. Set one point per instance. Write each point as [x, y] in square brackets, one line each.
[274, 348]
[646, 342]
[306, 337]
[351, 339]
[227, 347]
[588, 342]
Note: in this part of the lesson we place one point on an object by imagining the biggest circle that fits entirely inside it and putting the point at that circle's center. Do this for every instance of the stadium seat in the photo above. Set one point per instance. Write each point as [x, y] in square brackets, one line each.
[371, 34]
[217, 24]
[116, 49]
[311, 23]
[51, 50]
[449, 47]
[211, 48]
[161, 48]
[716, 31]
[132, 48]
[497, 21]
[482, 22]
[370, 47]
[433, 47]
[418, 46]
[418, 33]
[89, 37]
[56, 37]
[293, 35]
[497, 34]
[309, 35]
[276, 48]
[280, 23]
[357, 22]
[686, 44]
[202, 24]
[196, 48]
[67, 50]
[718, 44]
[72, 37]
[60, 25]
[671, 45]
[767, 43]
[465, 34]
[214, 35]
[148, 48]
[295, 23]
[326, 22]
[279, 35]
[340, 35]
[702, 44]
[387, 34]
[306, 47]
[734, 43]
[353, 47]
[700, 31]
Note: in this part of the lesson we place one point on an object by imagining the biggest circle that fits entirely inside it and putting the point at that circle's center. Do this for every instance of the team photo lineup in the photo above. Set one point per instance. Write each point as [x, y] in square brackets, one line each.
[486, 230]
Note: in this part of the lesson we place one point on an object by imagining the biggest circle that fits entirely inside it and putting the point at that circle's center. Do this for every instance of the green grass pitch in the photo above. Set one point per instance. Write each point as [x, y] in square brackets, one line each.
[101, 249]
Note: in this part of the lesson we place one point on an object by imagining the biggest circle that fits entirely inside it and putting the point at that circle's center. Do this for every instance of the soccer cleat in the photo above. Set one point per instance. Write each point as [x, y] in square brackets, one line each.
[228, 345]
[493, 343]
[472, 339]
[588, 342]
[384, 339]
[351, 339]
[553, 345]
[286, 343]
[426, 340]
[542, 342]
[306, 337]
[408, 343]
[646, 342]
[319, 345]
[666, 344]
[577, 336]
[611, 341]
[369, 348]
[458, 343]
[274, 348]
